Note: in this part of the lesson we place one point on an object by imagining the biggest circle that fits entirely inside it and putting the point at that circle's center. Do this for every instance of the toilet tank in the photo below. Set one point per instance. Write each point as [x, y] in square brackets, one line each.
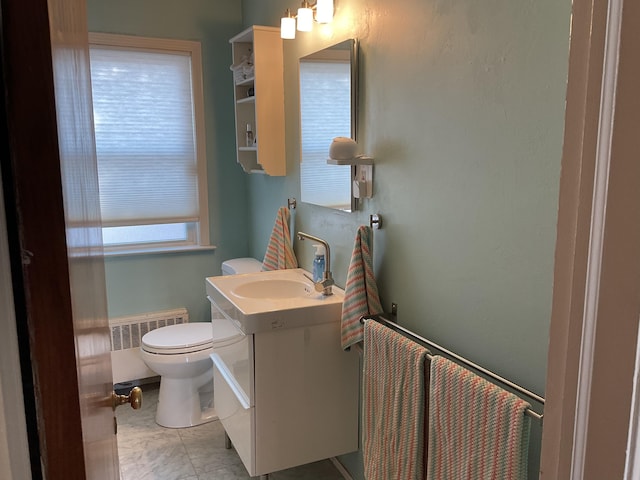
[241, 265]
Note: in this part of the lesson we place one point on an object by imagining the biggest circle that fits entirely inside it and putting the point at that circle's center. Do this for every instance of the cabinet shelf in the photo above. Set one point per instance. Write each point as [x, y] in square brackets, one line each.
[251, 99]
[248, 149]
[245, 82]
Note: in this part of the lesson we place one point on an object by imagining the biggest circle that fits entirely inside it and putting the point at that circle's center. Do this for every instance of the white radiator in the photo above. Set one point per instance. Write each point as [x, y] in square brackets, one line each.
[126, 336]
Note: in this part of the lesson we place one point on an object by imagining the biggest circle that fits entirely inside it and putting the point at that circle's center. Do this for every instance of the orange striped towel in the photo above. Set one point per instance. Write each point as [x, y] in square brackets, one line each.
[360, 292]
[476, 429]
[279, 254]
[394, 396]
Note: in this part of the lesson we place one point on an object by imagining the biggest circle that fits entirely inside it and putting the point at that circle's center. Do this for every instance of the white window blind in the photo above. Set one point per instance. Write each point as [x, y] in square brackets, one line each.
[325, 105]
[145, 136]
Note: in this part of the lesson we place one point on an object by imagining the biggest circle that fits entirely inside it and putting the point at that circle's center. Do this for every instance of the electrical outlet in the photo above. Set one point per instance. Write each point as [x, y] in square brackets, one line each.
[364, 178]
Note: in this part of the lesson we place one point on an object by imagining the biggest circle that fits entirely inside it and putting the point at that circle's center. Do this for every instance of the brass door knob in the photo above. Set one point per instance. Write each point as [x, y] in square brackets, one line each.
[134, 398]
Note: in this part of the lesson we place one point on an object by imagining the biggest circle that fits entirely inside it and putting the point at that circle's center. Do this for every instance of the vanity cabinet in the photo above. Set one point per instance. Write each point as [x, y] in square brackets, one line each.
[259, 100]
[286, 397]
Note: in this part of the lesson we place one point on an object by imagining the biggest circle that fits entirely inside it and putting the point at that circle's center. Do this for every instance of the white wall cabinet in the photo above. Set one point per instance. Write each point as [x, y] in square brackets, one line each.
[287, 397]
[259, 100]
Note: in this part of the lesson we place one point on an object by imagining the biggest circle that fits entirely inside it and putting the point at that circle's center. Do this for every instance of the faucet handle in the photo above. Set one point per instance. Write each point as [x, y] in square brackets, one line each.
[324, 286]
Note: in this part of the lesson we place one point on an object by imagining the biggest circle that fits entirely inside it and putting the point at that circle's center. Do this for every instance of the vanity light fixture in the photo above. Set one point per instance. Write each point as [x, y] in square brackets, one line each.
[323, 14]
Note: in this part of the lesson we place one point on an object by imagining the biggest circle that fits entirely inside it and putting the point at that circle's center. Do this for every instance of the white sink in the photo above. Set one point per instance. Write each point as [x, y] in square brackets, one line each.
[273, 288]
[265, 301]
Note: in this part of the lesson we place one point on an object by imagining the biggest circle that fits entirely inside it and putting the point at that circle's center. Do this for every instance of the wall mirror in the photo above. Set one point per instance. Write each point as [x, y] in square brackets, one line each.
[328, 109]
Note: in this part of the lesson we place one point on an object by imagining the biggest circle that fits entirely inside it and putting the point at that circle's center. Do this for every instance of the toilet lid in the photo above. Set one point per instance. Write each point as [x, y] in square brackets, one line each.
[181, 338]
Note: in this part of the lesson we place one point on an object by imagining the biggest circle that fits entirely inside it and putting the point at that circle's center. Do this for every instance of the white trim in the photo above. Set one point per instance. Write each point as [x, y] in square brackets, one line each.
[156, 250]
[14, 449]
[598, 216]
[194, 50]
[149, 43]
[632, 464]
[201, 136]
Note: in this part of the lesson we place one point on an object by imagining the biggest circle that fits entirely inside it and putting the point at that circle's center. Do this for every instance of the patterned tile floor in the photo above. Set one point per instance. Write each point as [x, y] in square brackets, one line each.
[148, 451]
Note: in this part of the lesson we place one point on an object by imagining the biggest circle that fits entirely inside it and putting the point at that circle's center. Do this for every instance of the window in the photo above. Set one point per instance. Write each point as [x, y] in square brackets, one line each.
[149, 127]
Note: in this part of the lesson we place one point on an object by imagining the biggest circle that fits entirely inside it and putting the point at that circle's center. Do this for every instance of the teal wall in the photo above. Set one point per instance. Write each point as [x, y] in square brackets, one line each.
[143, 283]
[462, 107]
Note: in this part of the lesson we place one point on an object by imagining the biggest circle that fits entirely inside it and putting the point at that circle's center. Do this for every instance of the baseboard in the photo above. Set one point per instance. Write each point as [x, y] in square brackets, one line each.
[341, 468]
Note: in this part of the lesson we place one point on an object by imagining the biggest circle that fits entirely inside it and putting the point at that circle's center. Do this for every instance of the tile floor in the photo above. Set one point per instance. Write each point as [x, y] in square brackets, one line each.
[150, 452]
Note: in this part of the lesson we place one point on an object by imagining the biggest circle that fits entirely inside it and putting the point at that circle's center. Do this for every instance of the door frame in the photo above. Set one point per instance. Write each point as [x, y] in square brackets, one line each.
[14, 444]
[594, 324]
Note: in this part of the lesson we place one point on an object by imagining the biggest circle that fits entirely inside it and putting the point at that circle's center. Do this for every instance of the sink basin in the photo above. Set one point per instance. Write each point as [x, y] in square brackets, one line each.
[273, 288]
[266, 301]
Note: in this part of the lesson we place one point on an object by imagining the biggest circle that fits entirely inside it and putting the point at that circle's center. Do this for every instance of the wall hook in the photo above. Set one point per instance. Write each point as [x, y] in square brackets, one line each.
[375, 221]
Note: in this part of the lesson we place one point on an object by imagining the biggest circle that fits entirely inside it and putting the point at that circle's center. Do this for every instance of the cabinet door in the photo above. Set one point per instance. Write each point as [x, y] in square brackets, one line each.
[269, 91]
[234, 411]
[259, 101]
[306, 397]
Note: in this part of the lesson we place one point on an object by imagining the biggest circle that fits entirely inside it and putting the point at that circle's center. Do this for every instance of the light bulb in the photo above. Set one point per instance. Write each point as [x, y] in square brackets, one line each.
[305, 17]
[324, 11]
[288, 26]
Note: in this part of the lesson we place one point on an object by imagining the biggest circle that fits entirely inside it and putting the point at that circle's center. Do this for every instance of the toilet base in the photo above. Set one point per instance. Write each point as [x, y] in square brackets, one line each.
[182, 404]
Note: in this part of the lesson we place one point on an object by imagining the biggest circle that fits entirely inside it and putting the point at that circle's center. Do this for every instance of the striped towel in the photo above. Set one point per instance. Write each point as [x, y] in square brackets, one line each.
[360, 292]
[394, 410]
[476, 429]
[279, 254]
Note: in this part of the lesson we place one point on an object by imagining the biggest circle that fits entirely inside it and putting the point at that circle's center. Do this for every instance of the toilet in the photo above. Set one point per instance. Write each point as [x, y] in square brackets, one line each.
[180, 355]
[241, 265]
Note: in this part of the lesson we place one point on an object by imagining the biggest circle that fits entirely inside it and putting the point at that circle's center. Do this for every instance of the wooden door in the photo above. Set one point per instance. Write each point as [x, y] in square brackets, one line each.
[74, 112]
[55, 222]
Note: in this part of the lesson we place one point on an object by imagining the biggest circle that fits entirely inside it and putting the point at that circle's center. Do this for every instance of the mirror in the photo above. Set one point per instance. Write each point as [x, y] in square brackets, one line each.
[328, 109]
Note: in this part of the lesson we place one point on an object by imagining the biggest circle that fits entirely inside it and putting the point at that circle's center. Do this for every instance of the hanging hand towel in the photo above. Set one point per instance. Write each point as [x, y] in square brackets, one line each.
[394, 405]
[476, 429]
[279, 254]
[361, 292]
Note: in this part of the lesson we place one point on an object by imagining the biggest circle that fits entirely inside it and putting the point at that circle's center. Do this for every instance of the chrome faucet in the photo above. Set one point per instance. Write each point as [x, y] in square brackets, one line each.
[323, 286]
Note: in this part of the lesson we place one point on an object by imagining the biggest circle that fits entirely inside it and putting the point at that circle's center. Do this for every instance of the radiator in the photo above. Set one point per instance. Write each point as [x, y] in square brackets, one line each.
[126, 337]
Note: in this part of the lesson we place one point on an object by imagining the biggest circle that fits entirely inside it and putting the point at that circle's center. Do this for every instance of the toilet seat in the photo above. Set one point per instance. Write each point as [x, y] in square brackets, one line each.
[179, 339]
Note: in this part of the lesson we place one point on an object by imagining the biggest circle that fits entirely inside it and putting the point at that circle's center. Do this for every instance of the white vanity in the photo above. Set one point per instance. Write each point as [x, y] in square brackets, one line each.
[284, 390]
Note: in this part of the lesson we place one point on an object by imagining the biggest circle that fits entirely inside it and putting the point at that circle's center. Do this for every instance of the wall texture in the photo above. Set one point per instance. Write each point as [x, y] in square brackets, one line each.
[137, 284]
[462, 107]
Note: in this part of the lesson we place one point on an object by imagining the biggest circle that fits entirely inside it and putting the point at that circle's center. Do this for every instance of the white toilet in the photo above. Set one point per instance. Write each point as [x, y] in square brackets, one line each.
[180, 354]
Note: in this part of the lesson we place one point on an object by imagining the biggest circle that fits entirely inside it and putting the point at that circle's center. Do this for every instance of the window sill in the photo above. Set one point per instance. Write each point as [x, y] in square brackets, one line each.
[158, 250]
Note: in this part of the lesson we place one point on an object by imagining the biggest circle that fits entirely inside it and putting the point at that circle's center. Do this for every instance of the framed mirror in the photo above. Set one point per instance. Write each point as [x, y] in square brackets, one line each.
[328, 109]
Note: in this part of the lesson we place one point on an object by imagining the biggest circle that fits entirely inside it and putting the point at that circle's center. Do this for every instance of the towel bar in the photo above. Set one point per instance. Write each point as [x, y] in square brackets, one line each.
[419, 339]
